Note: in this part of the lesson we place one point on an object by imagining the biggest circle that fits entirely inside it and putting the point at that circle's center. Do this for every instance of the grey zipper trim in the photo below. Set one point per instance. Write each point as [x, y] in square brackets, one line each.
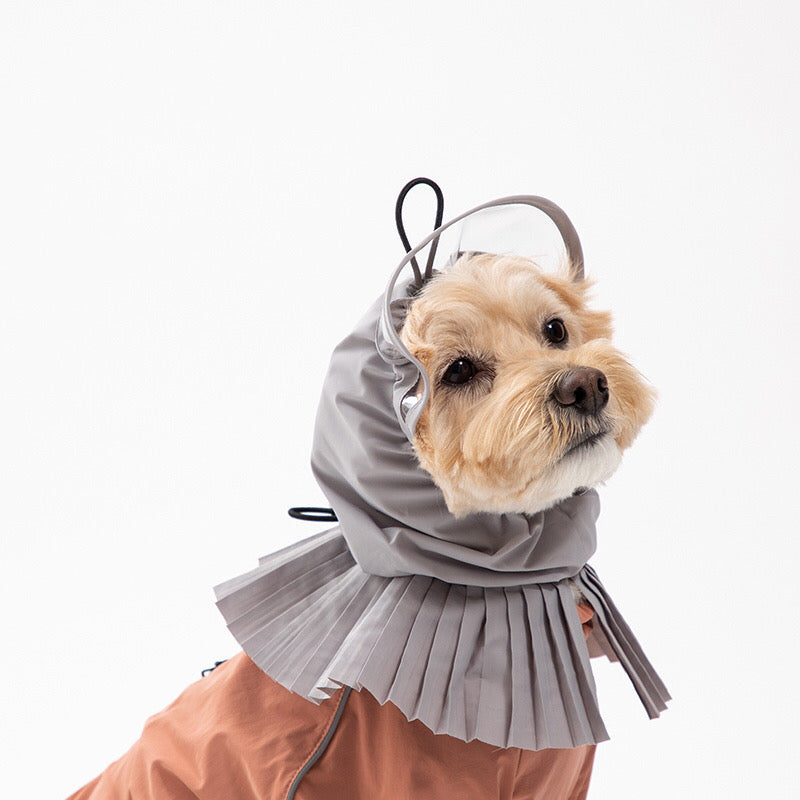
[314, 757]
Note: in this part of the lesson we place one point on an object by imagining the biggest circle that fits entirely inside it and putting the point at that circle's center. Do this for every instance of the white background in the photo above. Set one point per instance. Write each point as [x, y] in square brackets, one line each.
[197, 204]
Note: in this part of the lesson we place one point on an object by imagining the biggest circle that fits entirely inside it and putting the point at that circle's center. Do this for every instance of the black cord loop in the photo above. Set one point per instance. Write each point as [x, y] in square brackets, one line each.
[398, 218]
[209, 670]
[313, 514]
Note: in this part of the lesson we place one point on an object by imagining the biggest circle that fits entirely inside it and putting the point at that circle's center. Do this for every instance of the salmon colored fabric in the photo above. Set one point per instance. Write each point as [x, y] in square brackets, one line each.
[377, 753]
[238, 735]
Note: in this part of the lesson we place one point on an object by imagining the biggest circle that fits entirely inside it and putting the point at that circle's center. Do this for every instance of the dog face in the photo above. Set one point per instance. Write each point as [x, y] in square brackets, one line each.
[529, 399]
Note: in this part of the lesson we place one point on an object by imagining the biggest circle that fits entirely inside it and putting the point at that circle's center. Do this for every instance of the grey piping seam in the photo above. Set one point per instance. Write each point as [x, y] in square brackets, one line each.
[314, 757]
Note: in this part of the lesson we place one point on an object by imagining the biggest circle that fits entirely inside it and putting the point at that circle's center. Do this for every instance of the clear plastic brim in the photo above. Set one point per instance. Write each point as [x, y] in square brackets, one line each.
[513, 229]
[510, 229]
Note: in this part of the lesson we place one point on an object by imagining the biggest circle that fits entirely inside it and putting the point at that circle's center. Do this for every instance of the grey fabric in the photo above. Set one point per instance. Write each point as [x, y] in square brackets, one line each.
[467, 624]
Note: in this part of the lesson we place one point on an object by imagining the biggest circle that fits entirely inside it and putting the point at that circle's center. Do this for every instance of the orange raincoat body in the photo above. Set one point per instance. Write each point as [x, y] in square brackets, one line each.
[238, 735]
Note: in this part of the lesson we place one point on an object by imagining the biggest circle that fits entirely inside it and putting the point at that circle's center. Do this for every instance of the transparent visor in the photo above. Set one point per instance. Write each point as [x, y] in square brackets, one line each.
[522, 225]
[516, 229]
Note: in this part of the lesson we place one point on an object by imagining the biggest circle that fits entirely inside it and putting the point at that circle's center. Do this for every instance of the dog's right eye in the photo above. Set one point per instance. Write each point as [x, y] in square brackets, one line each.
[555, 331]
[461, 371]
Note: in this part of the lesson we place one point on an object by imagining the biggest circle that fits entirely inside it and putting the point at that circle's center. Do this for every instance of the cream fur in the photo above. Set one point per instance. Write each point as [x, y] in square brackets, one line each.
[500, 443]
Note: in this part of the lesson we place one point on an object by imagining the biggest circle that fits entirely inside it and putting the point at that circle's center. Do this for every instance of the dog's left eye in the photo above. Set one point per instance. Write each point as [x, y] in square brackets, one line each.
[461, 371]
[555, 331]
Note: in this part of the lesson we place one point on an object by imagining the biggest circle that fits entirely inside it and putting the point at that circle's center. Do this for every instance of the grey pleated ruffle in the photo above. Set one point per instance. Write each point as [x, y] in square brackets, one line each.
[506, 665]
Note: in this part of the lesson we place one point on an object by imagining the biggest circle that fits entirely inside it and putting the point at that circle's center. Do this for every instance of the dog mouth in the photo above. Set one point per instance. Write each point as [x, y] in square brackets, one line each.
[586, 443]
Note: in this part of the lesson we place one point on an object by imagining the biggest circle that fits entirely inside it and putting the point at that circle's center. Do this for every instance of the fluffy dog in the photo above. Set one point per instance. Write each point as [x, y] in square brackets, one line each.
[529, 401]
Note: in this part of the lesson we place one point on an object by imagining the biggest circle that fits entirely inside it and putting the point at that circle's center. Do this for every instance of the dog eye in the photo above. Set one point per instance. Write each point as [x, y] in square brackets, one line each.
[555, 331]
[461, 371]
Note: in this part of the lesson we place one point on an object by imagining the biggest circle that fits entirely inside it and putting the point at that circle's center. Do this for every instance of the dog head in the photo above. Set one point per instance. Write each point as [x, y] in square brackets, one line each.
[529, 399]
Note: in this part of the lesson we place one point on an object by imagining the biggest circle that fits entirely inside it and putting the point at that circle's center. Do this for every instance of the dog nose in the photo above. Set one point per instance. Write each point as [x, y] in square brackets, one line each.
[583, 388]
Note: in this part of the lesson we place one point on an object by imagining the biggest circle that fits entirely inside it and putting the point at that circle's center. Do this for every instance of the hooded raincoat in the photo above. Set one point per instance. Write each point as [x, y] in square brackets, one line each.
[403, 652]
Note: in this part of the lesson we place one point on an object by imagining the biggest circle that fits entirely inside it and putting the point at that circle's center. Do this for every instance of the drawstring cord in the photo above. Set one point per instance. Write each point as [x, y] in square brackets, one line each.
[419, 279]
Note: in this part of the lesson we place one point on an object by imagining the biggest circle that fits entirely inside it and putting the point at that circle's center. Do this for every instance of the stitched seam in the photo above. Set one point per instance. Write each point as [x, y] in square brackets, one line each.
[317, 750]
[516, 773]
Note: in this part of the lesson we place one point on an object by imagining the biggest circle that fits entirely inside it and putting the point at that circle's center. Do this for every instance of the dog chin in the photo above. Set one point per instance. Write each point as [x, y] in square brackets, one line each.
[582, 468]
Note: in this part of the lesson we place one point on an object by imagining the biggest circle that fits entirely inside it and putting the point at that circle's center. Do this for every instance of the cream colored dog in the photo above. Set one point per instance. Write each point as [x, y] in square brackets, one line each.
[529, 400]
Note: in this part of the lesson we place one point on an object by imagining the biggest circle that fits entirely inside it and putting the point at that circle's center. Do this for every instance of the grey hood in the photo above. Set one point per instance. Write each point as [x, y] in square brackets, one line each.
[392, 515]
[467, 624]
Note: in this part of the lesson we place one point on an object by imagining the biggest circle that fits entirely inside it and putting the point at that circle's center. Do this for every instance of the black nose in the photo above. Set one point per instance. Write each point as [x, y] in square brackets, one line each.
[583, 388]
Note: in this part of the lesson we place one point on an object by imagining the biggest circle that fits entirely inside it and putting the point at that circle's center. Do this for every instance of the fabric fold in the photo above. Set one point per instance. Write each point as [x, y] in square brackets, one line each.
[508, 666]
[622, 645]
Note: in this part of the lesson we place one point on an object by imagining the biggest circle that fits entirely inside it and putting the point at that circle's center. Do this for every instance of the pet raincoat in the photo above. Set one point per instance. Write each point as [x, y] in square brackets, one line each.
[404, 652]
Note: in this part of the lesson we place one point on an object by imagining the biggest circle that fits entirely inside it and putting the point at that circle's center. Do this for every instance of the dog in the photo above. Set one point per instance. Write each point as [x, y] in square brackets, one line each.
[530, 401]
[530, 404]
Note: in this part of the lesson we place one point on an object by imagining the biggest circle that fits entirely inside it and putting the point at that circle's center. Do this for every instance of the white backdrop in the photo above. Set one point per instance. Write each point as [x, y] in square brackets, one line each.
[197, 204]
